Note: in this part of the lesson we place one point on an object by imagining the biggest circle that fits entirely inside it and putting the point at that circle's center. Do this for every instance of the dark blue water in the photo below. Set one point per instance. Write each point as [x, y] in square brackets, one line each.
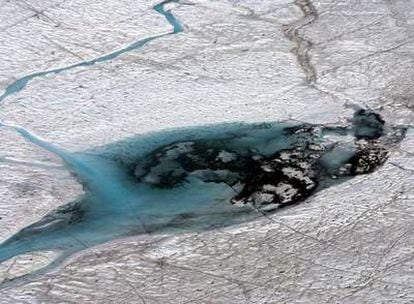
[196, 179]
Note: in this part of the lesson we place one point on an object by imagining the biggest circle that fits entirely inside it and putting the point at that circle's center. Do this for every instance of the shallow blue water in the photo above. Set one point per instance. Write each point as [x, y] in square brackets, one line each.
[126, 192]
[116, 204]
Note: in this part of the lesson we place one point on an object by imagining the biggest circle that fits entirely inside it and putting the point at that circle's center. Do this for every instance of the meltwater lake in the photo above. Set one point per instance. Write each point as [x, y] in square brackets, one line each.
[199, 178]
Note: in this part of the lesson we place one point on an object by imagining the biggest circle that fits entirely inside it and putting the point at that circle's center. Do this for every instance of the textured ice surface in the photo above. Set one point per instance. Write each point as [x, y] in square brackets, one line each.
[236, 61]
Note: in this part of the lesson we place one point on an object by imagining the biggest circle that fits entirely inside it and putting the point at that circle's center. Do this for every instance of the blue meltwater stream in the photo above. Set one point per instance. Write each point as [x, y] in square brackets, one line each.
[21, 83]
[190, 179]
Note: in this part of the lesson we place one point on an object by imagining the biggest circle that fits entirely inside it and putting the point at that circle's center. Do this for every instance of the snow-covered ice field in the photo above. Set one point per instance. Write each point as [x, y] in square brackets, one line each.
[249, 61]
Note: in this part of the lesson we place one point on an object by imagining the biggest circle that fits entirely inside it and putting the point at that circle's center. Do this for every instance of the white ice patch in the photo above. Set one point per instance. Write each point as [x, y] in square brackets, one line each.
[284, 156]
[285, 192]
[226, 157]
[151, 179]
[270, 188]
[315, 147]
[295, 173]
[269, 207]
[260, 197]
[267, 168]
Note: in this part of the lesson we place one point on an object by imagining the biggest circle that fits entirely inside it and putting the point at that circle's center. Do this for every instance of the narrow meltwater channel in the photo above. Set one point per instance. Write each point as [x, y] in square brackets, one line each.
[21, 83]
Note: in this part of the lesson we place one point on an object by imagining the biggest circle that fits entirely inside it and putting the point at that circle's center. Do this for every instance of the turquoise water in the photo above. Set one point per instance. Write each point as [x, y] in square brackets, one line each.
[117, 204]
[183, 180]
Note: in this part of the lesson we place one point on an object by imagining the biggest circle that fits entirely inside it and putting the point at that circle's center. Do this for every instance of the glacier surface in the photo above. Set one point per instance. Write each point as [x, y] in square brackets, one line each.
[75, 74]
